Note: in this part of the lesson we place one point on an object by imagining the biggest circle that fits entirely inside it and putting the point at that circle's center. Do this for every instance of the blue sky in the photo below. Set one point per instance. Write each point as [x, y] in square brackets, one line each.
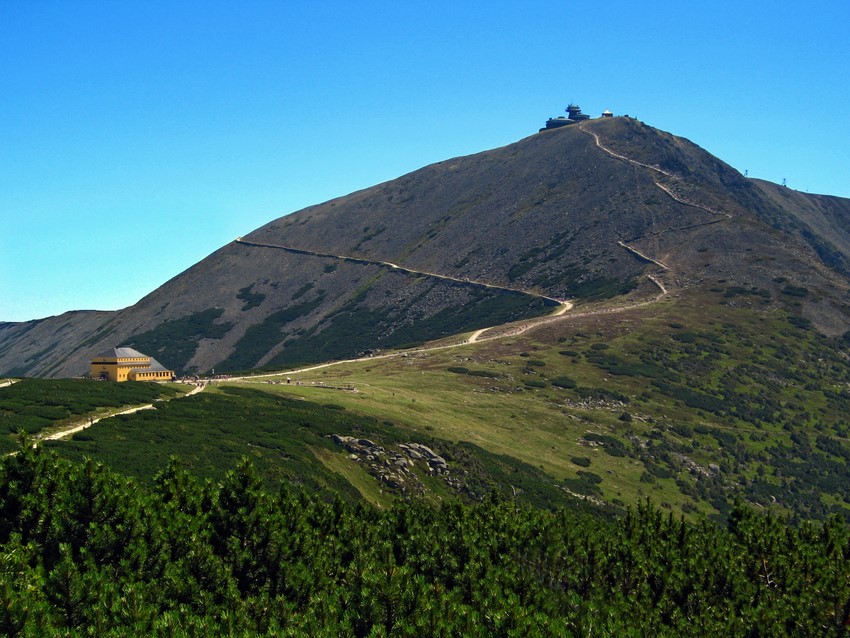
[138, 137]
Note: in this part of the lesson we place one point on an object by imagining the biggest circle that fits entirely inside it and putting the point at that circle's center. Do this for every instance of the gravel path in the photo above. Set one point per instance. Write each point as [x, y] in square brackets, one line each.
[90, 421]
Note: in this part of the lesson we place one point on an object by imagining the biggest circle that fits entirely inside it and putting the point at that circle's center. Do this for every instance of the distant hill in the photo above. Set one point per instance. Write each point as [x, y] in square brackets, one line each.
[584, 212]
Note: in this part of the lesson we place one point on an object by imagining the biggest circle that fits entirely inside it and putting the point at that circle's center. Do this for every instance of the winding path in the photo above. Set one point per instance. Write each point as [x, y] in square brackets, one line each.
[90, 421]
[720, 215]
[476, 336]
[629, 160]
[563, 305]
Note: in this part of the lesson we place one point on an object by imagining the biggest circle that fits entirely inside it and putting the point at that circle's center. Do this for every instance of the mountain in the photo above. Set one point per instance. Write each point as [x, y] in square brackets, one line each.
[587, 212]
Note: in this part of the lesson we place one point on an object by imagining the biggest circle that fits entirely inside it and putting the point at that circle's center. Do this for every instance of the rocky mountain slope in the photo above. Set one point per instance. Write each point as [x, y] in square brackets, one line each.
[584, 212]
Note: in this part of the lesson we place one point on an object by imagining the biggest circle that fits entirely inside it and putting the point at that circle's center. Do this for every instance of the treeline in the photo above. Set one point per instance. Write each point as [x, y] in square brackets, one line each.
[86, 551]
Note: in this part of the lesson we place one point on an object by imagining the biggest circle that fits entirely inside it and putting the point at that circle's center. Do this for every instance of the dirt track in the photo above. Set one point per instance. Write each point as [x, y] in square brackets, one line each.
[521, 327]
[79, 427]
[392, 266]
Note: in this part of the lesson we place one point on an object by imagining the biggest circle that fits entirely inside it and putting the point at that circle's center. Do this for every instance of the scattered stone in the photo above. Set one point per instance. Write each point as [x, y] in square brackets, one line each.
[424, 449]
[394, 468]
[693, 467]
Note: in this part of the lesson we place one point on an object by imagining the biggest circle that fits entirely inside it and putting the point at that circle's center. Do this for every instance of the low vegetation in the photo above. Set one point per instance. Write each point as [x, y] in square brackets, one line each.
[252, 299]
[32, 405]
[174, 342]
[260, 338]
[546, 444]
[705, 408]
[352, 329]
[672, 468]
[85, 551]
[696, 410]
[290, 441]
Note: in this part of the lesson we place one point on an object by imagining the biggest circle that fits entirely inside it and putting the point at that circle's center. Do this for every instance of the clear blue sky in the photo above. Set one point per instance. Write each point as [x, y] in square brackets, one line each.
[138, 137]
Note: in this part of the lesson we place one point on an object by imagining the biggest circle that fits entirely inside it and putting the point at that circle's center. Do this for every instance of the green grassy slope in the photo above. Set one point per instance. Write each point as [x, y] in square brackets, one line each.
[694, 404]
[720, 394]
[290, 440]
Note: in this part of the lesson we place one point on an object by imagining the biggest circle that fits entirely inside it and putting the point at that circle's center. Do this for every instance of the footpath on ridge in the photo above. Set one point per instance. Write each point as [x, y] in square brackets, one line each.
[507, 330]
[502, 331]
[517, 328]
[403, 269]
[719, 215]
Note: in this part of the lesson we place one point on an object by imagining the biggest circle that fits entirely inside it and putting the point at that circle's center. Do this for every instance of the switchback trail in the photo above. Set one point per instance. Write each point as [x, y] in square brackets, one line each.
[508, 331]
[520, 327]
[476, 336]
[720, 216]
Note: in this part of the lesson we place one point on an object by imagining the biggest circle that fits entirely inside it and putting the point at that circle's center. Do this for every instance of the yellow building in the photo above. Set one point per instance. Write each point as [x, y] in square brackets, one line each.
[126, 364]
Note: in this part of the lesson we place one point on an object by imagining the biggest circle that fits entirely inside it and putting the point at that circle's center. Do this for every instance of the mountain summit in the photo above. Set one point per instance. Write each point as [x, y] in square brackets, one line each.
[596, 210]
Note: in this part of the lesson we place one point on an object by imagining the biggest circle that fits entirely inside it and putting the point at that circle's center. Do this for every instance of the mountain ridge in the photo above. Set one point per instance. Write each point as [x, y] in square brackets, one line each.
[582, 212]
